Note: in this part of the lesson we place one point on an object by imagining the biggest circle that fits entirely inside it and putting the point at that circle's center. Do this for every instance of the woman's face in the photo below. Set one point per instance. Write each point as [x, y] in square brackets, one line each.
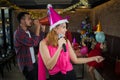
[61, 29]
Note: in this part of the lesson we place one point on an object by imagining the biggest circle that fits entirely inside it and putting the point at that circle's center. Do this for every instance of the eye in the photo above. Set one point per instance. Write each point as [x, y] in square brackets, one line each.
[64, 26]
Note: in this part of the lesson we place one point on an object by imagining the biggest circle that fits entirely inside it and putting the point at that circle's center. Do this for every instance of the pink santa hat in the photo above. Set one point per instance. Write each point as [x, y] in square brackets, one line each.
[54, 18]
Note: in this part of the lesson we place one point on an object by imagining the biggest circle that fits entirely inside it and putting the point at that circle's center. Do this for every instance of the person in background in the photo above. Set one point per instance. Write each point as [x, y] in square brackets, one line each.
[68, 35]
[24, 42]
[96, 51]
[76, 48]
[56, 51]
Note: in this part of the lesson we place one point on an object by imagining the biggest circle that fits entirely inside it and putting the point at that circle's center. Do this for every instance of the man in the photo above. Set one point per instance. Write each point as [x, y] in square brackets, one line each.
[24, 41]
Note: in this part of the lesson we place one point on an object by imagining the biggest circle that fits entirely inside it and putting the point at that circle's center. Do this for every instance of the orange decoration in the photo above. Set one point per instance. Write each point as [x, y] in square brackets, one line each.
[44, 21]
[99, 28]
[82, 32]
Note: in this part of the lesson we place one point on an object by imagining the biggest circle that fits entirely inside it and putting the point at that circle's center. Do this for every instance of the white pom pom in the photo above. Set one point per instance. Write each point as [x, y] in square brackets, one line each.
[49, 5]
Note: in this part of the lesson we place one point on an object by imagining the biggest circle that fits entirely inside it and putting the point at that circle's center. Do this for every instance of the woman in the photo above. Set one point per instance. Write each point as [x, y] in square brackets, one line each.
[56, 60]
[97, 51]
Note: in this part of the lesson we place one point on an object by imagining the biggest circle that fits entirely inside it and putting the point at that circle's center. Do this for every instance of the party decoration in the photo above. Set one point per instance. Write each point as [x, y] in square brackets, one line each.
[35, 15]
[100, 37]
[99, 28]
[74, 41]
[84, 50]
[54, 18]
[82, 32]
[94, 28]
[85, 27]
[44, 21]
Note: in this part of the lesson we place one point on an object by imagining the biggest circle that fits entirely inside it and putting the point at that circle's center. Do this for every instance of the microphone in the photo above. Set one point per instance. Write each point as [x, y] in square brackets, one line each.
[63, 46]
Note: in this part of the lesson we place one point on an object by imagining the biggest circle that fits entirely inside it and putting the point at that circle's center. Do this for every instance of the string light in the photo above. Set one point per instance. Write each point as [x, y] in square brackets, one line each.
[37, 14]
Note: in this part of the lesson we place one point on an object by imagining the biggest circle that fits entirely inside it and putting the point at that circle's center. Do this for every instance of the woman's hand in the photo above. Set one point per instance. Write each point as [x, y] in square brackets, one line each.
[98, 59]
[61, 41]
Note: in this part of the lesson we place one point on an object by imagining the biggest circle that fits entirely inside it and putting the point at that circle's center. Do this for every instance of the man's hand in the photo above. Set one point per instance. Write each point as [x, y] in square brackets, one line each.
[37, 26]
[37, 23]
[43, 28]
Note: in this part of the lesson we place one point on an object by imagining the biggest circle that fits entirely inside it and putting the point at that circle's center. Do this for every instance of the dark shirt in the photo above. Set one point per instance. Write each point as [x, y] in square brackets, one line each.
[22, 43]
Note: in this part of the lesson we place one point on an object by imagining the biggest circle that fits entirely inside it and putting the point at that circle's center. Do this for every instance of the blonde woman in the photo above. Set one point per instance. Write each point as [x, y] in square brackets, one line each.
[56, 57]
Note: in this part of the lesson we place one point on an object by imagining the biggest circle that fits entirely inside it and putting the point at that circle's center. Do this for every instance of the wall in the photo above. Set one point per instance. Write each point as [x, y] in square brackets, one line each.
[76, 18]
[109, 16]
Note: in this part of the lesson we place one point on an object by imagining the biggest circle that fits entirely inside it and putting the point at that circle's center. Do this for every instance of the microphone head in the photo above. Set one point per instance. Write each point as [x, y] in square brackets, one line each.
[60, 36]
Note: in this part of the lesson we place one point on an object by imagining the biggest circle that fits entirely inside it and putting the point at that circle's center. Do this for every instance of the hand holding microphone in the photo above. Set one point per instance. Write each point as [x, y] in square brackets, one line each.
[62, 42]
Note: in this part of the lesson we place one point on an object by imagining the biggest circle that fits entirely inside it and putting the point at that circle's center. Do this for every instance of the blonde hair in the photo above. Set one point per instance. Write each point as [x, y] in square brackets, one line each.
[52, 38]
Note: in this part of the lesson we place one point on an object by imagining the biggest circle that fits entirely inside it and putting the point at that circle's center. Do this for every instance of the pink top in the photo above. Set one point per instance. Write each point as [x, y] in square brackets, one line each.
[63, 64]
[41, 68]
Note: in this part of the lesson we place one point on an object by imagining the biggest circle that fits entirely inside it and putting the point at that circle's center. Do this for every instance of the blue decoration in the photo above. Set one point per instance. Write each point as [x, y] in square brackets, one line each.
[83, 22]
[100, 37]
